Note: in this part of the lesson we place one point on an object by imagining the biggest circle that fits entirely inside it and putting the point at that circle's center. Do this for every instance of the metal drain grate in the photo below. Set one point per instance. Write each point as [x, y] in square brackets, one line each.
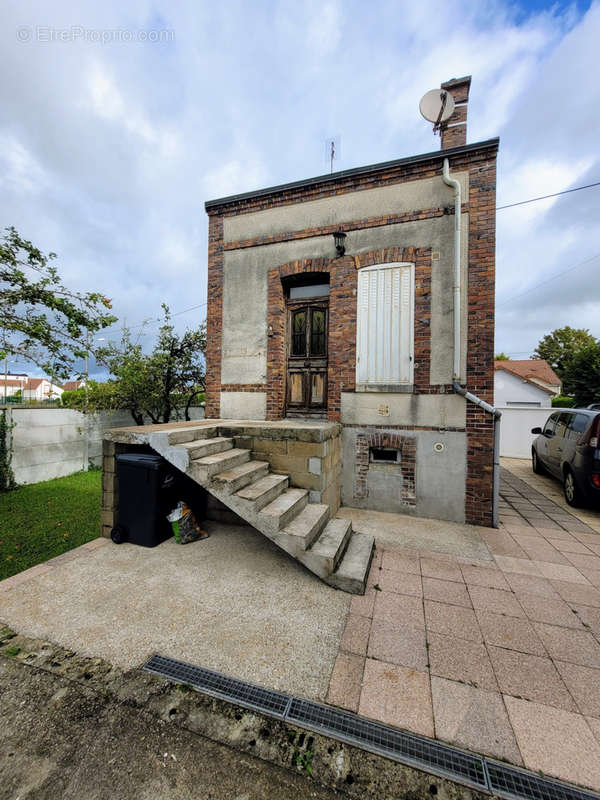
[426, 754]
[217, 685]
[509, 782]
[389, 742]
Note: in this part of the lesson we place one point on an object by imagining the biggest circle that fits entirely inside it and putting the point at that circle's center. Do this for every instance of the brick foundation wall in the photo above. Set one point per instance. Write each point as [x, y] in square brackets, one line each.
[408, 452]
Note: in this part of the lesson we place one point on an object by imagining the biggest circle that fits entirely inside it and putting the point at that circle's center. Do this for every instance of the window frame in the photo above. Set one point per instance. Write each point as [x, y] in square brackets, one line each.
[382, 386]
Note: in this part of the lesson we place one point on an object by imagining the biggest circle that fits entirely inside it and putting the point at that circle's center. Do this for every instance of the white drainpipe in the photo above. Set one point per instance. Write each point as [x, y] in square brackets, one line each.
[455, 184]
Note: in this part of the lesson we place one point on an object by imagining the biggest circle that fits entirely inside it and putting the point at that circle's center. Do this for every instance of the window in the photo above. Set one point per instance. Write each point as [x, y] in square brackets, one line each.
[384, 327]
[550, 423]
[384, 455]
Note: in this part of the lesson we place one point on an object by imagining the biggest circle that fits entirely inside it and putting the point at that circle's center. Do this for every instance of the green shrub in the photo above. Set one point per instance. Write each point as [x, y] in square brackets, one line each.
[562, 401]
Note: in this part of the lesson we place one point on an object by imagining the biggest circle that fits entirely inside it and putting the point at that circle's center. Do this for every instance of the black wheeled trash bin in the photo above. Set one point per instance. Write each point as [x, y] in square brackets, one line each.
[146, 495]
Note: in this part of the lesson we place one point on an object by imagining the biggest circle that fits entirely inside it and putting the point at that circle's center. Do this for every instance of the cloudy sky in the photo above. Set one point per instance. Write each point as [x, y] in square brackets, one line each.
[111, 142]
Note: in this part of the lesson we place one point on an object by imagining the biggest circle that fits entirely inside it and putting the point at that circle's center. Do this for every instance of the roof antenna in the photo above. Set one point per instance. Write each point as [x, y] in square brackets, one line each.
[437, 106]
[332, 150]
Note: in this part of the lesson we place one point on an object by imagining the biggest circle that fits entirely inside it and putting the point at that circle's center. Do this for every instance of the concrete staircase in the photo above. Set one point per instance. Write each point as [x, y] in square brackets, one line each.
[328, 547]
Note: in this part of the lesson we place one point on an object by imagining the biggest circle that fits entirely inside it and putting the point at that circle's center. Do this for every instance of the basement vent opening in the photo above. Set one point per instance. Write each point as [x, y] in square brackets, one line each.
[384, 455]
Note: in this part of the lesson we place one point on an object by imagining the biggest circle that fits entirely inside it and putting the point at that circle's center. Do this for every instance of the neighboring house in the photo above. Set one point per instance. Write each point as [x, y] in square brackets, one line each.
[11, 384]
[72, 386]
[530, 383]
[41, 389]
[367, 338]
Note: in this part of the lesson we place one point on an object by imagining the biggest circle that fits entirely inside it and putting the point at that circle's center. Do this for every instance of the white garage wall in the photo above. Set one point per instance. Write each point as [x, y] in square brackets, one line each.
[515, 430]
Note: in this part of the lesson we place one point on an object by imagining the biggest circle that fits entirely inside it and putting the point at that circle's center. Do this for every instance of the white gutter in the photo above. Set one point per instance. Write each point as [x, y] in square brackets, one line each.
[457, 251]
[455, 184]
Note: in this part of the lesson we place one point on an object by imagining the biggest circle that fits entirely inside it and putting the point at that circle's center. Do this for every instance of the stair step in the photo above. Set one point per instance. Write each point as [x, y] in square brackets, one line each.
[233, 479]
[202, 469]
[192, 433]
[206, 447]
[264, 490]
[331, 544]
[351, 574]
[281, 511]
[306, 526]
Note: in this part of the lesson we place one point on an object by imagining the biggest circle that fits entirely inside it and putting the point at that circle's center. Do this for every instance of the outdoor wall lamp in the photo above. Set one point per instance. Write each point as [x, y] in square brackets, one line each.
[339, 239]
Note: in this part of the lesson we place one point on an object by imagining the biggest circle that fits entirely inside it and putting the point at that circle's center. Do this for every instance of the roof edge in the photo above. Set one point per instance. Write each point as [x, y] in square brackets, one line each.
[436, 155]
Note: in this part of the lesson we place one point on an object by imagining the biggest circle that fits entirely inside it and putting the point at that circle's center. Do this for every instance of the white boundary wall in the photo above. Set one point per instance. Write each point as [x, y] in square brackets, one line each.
[52, 442]
[515, 429]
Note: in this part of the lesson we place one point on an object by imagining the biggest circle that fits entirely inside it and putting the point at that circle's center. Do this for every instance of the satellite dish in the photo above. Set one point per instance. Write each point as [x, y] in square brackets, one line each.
[437, 106]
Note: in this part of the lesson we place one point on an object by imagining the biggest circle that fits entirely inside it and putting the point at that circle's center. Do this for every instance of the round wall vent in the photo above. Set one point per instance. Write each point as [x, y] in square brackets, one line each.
[439, 447]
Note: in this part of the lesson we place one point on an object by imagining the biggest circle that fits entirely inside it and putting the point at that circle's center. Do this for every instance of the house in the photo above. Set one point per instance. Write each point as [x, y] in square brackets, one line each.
[530, 383]
[41, 389]
[72, 386]
[360, 298]
[12, 384]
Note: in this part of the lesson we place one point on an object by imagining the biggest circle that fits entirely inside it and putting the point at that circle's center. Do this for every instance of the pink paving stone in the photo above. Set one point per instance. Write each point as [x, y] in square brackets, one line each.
[363, 604]
[589, 616]
[571, 547]
[460, 660]
[530, 585]
[578, 593]
[400, 582]
[593, 576]
[555, 534]
[502, 544]
[595, 726]
[397, 696]
[586, 561]
[560, 572]
[484, 576]
[584, 685]
[565, 644]
[522, 566]
[510, 632]
[401, 645]
[452, 621]
[554, 611]
[442, 569]
[495, 600]
[529, 676]
[555, 742]
[346, 681]
[399, 609]
[400, 562]
[473, 718]
[446, 592]
[356, 634]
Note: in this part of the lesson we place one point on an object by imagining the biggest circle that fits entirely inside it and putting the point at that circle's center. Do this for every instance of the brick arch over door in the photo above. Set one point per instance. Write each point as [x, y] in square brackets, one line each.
[342, 322]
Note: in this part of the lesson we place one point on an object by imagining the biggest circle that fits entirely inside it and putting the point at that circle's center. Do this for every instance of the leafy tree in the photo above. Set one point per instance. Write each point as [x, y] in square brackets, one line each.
[41, 320]
[100, 397]
[501, 357]
[559, 347]
[161, 384]
[582, 375]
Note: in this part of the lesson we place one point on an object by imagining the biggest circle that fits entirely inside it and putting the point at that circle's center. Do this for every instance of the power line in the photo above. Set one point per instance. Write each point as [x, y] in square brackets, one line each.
[546, 196]
[548, 280]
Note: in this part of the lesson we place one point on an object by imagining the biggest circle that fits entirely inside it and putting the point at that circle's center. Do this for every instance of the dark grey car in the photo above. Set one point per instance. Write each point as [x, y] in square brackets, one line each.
[568, 447]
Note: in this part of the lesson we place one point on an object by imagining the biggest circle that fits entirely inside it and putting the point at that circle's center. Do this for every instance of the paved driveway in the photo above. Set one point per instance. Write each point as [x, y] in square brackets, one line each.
[499, 656]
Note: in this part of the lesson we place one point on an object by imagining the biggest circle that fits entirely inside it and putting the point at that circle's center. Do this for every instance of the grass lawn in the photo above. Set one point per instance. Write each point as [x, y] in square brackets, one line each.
[43, 520]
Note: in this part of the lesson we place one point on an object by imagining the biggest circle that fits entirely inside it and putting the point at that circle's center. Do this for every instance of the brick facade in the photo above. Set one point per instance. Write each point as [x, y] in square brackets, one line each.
[480, 162]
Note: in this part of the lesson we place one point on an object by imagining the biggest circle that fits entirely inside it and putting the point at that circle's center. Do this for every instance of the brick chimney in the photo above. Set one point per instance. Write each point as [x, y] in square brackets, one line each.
[454, 131]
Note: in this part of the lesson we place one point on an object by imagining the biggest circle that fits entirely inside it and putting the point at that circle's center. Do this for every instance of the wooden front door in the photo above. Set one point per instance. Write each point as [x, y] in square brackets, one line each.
[307, 358]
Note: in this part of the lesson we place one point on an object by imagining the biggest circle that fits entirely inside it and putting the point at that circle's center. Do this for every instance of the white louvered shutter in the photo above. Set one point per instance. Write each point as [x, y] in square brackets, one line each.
[384, 340]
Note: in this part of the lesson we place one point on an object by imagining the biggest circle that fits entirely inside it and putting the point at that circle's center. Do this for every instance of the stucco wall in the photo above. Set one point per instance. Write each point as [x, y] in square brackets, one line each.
[244, 342]
[509, 388]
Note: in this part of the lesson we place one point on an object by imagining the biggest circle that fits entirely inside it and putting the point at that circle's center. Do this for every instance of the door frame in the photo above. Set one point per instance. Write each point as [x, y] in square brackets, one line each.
[290, 307]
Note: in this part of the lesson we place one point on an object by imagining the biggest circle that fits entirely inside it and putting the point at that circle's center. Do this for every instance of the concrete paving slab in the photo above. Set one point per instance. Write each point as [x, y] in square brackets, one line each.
[532, 677]
[398, 696]
[473, 719]
[556, 742]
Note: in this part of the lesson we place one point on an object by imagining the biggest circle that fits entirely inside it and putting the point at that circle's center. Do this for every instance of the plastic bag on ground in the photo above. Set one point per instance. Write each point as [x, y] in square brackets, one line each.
[184, 525]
